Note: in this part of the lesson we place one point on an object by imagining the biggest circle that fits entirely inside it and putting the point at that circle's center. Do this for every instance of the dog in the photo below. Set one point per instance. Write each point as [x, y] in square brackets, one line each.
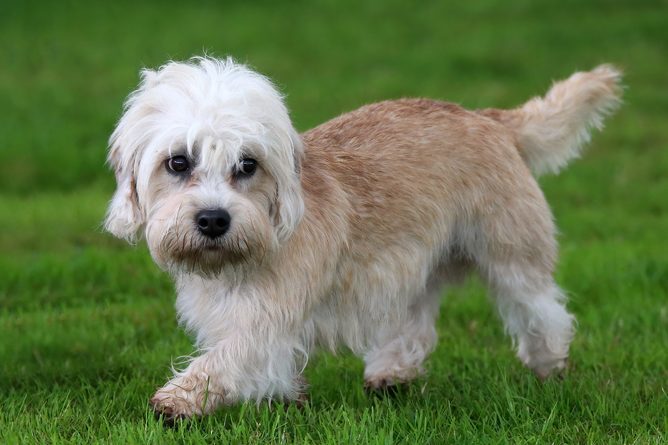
[345, 235]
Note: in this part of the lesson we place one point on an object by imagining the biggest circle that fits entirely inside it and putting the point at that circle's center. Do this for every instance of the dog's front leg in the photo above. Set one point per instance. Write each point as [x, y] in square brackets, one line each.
[258, 356]
[191, 392]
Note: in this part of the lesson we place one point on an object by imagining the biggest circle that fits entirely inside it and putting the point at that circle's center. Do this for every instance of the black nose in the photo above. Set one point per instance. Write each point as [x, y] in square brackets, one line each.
[213, 223]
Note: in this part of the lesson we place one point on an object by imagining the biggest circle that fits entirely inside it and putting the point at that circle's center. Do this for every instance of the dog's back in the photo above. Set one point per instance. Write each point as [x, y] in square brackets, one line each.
[425, 187]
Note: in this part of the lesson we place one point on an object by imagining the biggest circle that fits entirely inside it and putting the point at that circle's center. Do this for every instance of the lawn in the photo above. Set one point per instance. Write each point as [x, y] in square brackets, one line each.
[87, 324]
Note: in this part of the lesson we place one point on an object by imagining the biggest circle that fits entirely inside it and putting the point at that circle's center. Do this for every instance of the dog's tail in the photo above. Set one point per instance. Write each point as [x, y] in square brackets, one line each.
[552, 130]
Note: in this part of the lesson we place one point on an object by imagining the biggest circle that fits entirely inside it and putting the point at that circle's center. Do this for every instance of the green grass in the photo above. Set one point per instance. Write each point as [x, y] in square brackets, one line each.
[87, 325]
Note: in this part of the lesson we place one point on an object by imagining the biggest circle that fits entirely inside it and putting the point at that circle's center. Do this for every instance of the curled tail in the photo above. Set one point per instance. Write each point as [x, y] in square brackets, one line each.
[552, 130]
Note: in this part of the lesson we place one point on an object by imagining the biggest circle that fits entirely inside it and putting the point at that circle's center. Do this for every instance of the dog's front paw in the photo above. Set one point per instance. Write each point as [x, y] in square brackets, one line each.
[171, 406]
[185, 397]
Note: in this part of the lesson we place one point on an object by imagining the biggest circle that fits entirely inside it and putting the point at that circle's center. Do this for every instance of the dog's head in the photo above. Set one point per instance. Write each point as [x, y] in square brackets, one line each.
[207, 166]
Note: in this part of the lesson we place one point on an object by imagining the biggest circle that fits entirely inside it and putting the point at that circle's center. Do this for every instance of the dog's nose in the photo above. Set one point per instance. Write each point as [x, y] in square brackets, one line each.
[213, 223]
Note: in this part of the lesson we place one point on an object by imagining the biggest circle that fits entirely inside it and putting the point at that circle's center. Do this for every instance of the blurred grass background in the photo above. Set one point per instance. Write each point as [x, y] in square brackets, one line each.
[87, 326]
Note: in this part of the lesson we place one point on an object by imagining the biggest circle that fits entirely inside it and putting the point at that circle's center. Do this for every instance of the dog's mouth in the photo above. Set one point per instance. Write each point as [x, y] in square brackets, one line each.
[206, 256]
[215, 251]
[192, 252]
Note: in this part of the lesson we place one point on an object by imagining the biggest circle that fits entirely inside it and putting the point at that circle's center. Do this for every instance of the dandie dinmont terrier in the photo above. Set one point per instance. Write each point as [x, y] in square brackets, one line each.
[345, 234]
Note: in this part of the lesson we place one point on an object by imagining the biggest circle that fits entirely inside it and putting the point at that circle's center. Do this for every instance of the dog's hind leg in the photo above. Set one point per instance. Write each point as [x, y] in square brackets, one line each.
[397, 355]
[534, 315]
[515, 251]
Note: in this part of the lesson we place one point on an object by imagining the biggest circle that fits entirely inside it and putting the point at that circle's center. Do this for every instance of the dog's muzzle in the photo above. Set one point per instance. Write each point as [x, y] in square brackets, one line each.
[213, 223]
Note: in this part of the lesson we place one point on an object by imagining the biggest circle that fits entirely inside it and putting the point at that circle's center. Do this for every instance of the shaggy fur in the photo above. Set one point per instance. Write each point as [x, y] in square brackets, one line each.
[347, 234]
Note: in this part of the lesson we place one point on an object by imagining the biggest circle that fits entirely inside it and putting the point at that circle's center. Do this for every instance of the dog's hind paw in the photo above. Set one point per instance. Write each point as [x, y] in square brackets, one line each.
[385, 387]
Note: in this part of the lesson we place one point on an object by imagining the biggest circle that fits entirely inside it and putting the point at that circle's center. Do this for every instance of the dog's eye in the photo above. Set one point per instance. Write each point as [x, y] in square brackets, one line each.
[177, 164]
[246, 168]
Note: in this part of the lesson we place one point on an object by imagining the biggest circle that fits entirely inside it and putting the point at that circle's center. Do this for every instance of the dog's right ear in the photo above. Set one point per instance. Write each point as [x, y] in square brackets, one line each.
[124, 216]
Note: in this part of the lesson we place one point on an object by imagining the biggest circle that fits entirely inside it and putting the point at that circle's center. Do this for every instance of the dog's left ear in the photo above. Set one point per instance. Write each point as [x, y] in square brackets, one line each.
[289, 205]
[124, 216]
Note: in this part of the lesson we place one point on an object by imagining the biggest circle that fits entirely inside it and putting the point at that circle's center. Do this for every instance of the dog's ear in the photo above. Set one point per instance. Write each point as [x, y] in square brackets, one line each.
[124, 216]
[289, 205]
